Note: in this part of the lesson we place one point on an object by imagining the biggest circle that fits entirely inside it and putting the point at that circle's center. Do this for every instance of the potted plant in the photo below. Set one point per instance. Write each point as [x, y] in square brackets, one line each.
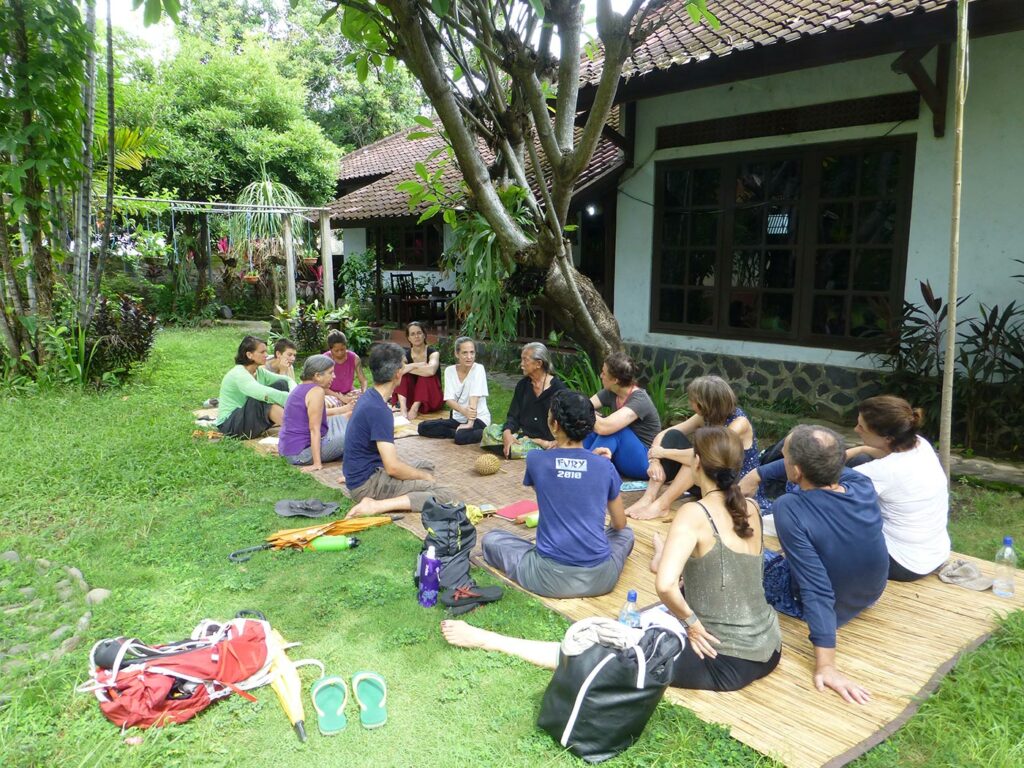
[251, 277]
[310, 259]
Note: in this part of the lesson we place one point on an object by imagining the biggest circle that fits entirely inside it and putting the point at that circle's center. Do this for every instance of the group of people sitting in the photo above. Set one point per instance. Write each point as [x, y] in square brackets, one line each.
[847, 521]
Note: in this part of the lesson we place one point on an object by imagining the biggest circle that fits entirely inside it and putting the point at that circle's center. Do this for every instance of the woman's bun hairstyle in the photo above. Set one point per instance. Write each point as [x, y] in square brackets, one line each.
[573, 412]
[721, 458]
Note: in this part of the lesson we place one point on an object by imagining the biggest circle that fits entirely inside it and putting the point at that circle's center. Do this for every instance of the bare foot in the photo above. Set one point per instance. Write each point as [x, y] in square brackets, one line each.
[414, 411]
[649, 512]
[464, 635]
[659, 548]
[638, 506]
[365, 507]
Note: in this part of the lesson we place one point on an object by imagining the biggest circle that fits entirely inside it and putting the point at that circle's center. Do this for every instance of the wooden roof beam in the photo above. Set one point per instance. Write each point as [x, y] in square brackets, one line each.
[934, 92]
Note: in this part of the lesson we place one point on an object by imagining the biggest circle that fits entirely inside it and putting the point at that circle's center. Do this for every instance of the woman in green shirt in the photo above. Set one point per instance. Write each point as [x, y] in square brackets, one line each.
[251, 398]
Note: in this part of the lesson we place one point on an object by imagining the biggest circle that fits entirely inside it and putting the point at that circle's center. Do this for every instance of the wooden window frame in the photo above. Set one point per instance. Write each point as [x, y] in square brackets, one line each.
[377, 236]
[805, 247]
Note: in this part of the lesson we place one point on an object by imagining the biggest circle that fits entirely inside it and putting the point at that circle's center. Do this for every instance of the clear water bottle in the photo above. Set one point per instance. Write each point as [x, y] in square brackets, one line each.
[428, 577]
[1006, 569]
[629, 615]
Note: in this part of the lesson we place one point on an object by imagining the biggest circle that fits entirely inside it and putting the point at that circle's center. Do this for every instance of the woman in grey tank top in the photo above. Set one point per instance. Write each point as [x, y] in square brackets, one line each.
[734, 633]
[715, 544]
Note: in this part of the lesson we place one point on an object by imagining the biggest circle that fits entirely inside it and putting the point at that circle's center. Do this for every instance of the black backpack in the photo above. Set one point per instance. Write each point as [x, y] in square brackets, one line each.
[453, 537]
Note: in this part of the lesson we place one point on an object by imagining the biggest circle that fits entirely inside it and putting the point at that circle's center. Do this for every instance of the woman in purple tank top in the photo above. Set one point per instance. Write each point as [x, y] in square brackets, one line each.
[313, 433]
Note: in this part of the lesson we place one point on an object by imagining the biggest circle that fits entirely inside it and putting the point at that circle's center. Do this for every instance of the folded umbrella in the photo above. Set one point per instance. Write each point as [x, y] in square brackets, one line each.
[300, 538]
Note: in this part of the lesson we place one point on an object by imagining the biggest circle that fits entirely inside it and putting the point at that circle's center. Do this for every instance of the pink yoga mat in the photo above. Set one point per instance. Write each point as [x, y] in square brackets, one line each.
[512, 511]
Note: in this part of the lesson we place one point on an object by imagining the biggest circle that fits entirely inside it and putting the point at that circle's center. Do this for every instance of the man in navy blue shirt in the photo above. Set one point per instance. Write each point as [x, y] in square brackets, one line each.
[830, 529]
[376, 478]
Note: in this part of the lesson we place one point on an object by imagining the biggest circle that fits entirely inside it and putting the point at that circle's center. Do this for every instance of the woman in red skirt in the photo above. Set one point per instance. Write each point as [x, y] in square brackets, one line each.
[420, 388]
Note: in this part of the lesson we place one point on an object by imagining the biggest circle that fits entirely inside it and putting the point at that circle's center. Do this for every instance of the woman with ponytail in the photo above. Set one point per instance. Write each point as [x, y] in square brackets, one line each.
[575, 555]
[912, 489]
[716, 544]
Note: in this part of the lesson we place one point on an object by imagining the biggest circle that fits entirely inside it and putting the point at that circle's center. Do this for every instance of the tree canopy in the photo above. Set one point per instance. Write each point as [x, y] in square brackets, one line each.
[220, 114]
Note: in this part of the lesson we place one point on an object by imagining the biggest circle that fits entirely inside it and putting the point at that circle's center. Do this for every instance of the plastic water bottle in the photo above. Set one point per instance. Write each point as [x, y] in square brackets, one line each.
[629, 615]
[1006, 569]
[428, 574]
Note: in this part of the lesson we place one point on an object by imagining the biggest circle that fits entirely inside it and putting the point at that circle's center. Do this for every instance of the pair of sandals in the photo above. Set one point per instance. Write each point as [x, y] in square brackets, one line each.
[330, 697]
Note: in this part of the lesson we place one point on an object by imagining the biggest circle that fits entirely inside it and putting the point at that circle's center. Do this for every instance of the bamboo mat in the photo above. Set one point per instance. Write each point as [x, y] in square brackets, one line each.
[900, 649]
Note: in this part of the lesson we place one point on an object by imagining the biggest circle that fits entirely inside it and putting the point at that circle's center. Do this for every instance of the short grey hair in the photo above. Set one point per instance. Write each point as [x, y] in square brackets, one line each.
[819, 452]
[315, 364]
[462, 340]
[540, 353]
[386, 359]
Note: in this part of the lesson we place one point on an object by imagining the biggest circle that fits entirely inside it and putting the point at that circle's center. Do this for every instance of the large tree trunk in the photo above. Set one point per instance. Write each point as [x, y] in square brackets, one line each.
[581, 311]
[12, 291]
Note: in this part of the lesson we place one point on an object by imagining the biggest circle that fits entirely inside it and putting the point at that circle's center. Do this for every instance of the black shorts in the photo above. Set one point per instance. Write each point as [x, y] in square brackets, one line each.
[722, 673]
[252, 419]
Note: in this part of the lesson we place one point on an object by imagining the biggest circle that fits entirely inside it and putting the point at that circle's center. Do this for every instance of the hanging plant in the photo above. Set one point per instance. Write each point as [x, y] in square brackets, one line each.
[260, 228]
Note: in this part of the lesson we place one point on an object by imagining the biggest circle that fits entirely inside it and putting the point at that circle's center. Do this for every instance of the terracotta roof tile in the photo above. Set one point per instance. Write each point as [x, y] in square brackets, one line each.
[395, 158]
[746, 23]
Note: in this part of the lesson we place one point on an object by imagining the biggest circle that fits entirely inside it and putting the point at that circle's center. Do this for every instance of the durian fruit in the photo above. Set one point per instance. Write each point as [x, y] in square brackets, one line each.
[487, 464]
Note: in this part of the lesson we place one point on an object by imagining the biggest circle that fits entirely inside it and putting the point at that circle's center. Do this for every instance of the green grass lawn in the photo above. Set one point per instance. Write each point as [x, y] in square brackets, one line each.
[114, 484]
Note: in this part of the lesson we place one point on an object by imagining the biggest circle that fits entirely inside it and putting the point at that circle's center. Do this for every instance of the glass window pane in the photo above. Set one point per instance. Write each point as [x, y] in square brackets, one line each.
[673, 267]
[879, 173]
[870, 316]
[677, 187]
[702, 268]
[780, 225]
[746, 269]
[838, 175]
[828, 315]
[835, 223]
[743, 309]
[703, 228]
[699, 307]
[872, 269]
[670, 307]
[748, 226]
[750, 183]
[673, 230]
[780, 269]
[783, 182]
[876, 222]
[776, 312]
[832, 270]
[706, 183]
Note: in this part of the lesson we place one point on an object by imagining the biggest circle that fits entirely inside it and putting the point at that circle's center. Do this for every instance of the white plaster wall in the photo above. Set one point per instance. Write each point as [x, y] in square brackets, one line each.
[992, 226]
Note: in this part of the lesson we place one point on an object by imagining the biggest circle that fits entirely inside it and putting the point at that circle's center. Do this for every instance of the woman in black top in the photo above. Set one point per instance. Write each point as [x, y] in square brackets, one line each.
[526, 426]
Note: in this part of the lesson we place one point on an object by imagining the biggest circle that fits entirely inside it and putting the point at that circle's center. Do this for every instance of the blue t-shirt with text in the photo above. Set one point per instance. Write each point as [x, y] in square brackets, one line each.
[371, 421]
[573, 489]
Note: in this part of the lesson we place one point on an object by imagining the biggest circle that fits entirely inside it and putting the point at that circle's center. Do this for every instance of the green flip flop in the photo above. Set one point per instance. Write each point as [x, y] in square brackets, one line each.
[330, 695]
[371, 692]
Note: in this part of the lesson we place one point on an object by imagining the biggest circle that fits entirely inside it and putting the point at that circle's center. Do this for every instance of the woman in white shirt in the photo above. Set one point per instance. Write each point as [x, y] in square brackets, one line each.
[912, 488]
[465, 392]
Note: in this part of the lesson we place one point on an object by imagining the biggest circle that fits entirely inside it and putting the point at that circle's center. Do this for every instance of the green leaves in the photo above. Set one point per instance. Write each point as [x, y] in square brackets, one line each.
[698, 10]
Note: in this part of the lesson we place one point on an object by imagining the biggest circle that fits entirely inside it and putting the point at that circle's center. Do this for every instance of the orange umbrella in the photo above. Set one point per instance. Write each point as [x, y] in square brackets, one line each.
[300, 538]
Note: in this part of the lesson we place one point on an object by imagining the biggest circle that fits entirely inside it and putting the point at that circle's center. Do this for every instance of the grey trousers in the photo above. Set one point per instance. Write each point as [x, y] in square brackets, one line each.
[382, 486]
[543, 576]
[332, 445]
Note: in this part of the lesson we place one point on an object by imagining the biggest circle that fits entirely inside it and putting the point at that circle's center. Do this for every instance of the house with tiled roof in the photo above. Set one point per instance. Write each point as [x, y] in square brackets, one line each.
[791, 184]
[787, 184]
[374, 214]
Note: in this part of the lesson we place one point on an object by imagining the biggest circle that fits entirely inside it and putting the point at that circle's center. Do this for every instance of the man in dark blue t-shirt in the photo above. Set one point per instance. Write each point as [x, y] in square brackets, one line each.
[376, 478]
[830, 528]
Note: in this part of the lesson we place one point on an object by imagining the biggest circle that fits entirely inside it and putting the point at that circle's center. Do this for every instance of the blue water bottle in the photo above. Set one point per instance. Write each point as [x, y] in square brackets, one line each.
[428, 573]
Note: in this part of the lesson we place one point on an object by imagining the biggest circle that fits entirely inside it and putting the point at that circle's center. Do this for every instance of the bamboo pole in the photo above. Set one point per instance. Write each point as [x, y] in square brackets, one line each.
[327, 258]
[289, 261]
[949, 362]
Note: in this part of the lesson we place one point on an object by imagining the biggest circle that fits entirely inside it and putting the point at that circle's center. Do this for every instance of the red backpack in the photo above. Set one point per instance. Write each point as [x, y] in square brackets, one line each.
[142, 686]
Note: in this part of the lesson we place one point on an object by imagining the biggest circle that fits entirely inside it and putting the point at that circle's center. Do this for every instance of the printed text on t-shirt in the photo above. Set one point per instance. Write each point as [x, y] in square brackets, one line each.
[571, 469]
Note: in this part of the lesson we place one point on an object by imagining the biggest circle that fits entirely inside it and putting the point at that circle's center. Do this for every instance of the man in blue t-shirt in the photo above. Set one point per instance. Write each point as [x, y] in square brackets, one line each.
[376, 478]
[830, 528]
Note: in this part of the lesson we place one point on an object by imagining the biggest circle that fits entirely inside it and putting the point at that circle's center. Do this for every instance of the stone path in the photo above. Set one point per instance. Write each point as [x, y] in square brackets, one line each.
[45, 612]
